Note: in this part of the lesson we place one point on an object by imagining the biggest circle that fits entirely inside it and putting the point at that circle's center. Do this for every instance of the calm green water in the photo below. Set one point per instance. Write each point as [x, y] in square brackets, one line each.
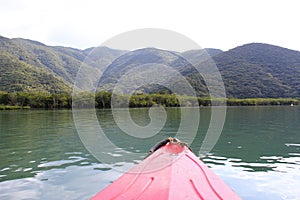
[42, 157]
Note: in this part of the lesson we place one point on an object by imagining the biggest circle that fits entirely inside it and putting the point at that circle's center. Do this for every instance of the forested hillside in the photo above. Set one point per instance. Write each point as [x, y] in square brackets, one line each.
[261, 70]
[249, 71]
[30, 66]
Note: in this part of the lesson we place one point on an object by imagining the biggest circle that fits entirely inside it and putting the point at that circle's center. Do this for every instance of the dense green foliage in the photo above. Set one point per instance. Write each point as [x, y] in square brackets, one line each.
[260, 70]
[13, 107]
[262, 102]
[17, 76]
[103, 99]
[136, 67]
[249, 71]
[30, 66]
[36, 100]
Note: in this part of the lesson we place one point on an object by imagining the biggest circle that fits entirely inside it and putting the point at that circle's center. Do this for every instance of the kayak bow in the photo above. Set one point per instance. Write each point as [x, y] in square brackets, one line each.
[171, 171]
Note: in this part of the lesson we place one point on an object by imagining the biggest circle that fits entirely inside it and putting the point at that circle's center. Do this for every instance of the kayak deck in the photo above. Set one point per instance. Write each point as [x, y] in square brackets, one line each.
[171, 172]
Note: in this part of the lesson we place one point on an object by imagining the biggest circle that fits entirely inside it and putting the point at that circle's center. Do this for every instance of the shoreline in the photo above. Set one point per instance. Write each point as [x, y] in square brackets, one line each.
[102, 99]
[8, 107]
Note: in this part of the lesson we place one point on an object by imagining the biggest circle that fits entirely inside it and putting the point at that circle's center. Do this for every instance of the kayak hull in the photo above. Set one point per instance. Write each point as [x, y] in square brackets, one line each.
[171, 172]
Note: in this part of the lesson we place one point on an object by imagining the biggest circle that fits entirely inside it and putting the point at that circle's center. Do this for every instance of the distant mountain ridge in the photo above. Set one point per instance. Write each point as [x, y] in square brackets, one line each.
[263, 71]
[250, 70]
[59, 63]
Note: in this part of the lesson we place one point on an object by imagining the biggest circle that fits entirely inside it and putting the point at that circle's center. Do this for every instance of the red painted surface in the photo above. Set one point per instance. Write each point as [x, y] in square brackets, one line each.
[171, 172]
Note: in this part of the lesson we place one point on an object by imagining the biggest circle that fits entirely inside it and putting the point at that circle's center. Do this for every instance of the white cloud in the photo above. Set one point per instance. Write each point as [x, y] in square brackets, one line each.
[219, 24]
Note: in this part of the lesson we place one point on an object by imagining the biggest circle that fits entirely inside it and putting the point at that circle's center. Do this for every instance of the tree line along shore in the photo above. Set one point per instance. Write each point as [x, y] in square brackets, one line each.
[102, 99]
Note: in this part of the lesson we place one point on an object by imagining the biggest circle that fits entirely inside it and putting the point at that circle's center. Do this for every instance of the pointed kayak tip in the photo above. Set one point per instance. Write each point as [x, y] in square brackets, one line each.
[171, 171]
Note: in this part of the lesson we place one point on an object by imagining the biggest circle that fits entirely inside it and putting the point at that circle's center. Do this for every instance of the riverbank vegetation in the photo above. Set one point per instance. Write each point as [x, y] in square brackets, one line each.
[102, 99]
[2, 107]
[35, 100]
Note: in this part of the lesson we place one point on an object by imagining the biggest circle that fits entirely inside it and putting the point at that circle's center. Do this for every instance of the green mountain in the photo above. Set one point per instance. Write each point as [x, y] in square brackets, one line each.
[22, 71]
[260, 70]
[31, 66]
[17, 76]
[197, 56]
[251, 70]
[136, 66]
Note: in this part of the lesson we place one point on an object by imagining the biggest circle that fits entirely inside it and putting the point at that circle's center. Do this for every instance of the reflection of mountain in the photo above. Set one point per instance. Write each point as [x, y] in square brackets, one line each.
[251, 70]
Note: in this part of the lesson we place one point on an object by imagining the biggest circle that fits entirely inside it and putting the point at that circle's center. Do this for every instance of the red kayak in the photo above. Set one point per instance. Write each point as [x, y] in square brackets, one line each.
[172, 171]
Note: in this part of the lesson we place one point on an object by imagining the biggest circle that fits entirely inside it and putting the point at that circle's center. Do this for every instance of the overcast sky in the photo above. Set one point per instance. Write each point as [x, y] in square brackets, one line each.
[222, 24]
